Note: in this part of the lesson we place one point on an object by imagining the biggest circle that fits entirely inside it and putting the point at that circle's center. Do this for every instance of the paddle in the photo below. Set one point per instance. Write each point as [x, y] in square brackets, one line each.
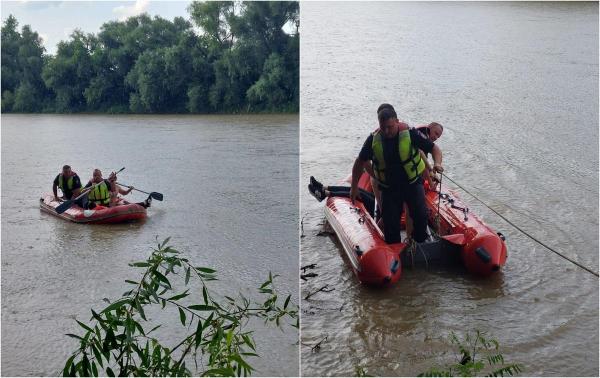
[157, 196]
[69, 203]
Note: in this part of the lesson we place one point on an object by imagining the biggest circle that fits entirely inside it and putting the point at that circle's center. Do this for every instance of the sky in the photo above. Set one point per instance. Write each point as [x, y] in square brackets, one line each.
[55, 20]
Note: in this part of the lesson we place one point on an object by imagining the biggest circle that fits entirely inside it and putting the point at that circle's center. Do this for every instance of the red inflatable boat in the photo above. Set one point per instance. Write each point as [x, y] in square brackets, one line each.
[481, 250]
[123, 212]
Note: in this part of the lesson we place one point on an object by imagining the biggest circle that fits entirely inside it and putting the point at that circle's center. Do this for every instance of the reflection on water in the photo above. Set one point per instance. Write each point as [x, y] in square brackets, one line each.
[516, 87]
[230, 187]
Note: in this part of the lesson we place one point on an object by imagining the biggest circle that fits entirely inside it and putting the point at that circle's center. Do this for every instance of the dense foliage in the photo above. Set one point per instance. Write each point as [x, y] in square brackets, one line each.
[232, 57]
[216, 342]
[478, 356]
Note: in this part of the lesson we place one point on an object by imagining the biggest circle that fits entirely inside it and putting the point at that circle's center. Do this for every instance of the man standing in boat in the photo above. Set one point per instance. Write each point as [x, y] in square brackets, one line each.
[68, 182]
[397, 166]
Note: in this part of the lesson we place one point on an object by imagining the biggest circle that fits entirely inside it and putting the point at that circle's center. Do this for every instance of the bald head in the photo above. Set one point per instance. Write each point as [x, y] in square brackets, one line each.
[435, 131]
[97, 176]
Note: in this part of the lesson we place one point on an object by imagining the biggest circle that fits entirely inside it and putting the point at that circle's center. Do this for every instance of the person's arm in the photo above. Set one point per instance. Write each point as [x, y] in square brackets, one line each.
[54, 189]
[123, 191]
[357, 171]
[436, 152]
[76, 186]
[361, 163]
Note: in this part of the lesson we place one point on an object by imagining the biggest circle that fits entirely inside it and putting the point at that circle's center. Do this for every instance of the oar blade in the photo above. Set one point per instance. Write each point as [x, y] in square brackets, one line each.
[157, 196]
[64, 206]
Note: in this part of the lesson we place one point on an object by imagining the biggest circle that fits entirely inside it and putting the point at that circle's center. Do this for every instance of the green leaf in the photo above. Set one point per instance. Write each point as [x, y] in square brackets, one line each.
[248, 341]
[154, 329]
[240, 361]
[162, 278]
[132, 282]
[84, 326]
[140, 308]
[198, 335]
[205, 270]
[205, 294]
[140, 264]
[85, 364]
[165, 242]
[116, 305]
[74, 336]
[179, 296]
[199, 307]
[97, 355]
[181, 316]
[221, 372]
[68, 365]
[94, 369]
[109, 372]
[187, 275]
[287, 301]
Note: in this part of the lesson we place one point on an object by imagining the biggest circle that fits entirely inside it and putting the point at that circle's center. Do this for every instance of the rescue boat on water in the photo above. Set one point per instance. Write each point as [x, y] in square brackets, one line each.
[482, 251]
[124, 211]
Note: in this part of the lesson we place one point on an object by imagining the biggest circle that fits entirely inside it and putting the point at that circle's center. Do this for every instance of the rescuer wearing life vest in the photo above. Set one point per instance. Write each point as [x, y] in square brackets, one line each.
[397, 165]
[103, 193]
[68, 182]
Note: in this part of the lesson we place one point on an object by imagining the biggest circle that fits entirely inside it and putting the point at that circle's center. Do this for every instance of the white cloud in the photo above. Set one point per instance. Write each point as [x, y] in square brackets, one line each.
[67, 32]
[125, 11]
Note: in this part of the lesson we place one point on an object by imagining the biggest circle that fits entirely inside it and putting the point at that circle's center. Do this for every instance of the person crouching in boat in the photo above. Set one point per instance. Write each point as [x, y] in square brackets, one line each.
[433, 132]
[68, 182]
[397, 166]
[104, 190]
[107, 192]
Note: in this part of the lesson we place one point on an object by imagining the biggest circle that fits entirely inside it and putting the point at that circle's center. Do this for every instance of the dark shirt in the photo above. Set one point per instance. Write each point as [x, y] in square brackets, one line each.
[68, 193]
[424, 130]
[394, 172]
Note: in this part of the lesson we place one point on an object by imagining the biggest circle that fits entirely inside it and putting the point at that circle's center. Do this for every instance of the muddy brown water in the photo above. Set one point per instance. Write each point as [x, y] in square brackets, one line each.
[230, 189]
[516, 87]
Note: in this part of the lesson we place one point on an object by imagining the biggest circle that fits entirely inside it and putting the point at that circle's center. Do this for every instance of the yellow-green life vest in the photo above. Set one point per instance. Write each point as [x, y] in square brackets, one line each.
[61, 183]
[410, 158]
[100, 194]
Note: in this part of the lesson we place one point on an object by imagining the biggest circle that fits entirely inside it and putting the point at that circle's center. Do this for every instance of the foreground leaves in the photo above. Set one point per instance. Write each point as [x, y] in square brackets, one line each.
[478, 356]
[116, 343]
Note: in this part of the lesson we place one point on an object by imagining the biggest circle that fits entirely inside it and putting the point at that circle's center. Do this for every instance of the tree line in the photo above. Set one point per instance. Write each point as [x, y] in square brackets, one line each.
[231, 57]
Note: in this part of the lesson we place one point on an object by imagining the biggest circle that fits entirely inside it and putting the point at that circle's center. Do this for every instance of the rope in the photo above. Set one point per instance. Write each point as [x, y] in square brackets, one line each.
[439, 201]
[424, 256]
[523, 231]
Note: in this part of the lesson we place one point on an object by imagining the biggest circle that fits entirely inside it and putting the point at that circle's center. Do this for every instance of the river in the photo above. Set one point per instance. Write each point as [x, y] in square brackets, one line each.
[230, 186]
[516, 87]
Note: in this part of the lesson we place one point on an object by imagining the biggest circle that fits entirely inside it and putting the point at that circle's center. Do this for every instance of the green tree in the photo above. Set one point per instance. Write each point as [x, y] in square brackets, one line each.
[69, 73]
[22, 62]
[271, 90]
[241, 61]
[215, 19]
[11, 40]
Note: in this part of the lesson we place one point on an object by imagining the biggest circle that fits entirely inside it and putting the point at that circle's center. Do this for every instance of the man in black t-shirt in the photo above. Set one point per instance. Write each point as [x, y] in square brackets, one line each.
[397, 166]
[68, 182]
